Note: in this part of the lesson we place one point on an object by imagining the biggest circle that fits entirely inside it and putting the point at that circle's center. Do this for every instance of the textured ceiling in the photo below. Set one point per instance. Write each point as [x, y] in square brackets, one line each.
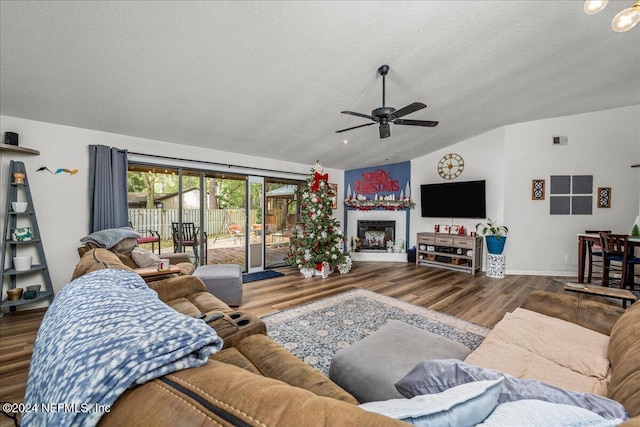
[270, 78]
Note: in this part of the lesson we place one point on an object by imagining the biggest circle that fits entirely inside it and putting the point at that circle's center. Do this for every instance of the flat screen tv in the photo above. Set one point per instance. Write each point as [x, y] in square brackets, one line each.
[454, 200]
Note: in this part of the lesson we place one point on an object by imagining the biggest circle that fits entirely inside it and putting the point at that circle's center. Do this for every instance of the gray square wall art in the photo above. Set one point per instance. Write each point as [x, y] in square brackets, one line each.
[582, 184]
[571, 195]
[560, 205]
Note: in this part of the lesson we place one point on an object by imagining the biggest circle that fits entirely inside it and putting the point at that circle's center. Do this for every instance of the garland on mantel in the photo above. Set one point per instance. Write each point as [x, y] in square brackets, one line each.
[391, 205]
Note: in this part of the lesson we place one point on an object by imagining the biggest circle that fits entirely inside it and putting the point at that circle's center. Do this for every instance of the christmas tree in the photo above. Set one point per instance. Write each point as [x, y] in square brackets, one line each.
[317, 237]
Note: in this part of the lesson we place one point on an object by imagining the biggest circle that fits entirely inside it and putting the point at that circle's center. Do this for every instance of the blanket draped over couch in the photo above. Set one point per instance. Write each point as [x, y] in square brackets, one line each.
[105, 332]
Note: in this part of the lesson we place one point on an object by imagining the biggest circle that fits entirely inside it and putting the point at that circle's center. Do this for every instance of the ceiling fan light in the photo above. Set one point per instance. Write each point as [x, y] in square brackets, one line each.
[627, 19]
[591, 7]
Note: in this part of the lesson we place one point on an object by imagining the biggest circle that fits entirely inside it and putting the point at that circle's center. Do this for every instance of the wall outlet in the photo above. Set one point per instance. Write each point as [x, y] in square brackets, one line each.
[567, 257]
[560, 140]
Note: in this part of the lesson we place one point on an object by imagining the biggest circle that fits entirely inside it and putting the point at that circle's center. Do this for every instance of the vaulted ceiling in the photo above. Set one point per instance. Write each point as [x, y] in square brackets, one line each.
[270, 78]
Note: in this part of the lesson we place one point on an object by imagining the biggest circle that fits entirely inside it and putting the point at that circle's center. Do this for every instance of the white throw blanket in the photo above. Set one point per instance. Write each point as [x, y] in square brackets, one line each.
[105, 332]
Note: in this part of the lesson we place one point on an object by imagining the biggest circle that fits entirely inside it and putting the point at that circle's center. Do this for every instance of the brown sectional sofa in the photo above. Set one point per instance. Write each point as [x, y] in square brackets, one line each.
[251, 381]
[254, 381]
[540, 340]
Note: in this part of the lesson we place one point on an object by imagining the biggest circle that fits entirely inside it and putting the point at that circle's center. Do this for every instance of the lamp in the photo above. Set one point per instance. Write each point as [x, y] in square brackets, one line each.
[591, 7]
[627, 19]
[624, 21]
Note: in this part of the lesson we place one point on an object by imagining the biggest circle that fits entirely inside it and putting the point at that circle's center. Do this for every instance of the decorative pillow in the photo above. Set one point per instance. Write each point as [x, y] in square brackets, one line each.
[465, 405]
[125, 246]
[109, 237]
[144, 258]
[531, 412]
[436, 376]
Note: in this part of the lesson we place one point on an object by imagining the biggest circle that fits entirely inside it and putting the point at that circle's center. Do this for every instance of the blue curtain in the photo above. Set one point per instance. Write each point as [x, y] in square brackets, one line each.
[107, 188]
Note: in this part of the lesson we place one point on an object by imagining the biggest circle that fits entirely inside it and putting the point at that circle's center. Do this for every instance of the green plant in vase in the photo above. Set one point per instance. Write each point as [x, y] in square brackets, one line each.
[496, 235]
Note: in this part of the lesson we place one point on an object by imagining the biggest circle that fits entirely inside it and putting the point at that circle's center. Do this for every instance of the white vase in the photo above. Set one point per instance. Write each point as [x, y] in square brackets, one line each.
[307, 272]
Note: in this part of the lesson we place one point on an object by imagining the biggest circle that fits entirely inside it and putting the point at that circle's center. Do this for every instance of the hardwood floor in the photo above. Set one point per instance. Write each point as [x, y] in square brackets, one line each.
[477, 299]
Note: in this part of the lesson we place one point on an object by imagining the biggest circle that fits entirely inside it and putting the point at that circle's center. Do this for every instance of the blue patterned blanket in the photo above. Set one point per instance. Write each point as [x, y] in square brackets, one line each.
[105, 332]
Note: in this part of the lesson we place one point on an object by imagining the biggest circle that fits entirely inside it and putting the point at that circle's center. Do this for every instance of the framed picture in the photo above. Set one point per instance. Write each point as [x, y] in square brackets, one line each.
[333, 192]
[443, 228]
[455, 229]
[537, 189]
[604, 197]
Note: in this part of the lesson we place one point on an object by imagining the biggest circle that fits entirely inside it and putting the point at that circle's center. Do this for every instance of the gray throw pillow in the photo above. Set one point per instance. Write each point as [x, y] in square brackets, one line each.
[144, 258]
[435, 376]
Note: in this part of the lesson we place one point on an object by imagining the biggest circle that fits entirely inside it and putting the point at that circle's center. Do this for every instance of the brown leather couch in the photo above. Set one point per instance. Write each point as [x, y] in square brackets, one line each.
[254, 381]
[251, 381]
[180, 260]
[623, 328]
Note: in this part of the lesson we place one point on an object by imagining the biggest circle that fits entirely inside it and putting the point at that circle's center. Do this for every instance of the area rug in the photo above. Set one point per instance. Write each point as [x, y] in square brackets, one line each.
[260, 275]
[316, 331]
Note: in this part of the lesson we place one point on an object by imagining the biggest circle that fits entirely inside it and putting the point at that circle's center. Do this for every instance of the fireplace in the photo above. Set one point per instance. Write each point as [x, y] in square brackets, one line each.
[374, 235]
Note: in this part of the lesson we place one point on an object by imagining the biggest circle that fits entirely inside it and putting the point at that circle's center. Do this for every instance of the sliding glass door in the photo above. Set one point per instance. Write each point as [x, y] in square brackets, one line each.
[255, 223]
[236, 218]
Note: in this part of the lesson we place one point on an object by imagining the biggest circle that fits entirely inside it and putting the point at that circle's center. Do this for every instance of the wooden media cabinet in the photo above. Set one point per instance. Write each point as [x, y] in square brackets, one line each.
[453, 252]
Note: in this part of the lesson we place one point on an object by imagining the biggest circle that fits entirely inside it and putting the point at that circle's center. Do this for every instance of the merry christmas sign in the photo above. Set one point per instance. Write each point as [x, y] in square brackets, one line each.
[386, 181]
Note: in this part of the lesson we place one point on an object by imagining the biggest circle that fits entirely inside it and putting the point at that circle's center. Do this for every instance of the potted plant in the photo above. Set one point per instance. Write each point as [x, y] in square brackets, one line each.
[495, 234]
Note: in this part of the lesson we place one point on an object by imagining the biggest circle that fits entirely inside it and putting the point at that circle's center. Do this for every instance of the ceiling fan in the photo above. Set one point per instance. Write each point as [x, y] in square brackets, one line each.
[385, 115]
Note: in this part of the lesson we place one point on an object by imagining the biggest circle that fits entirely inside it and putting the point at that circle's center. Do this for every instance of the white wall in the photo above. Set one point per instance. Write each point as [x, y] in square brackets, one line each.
[603, 144]
[61, 201]
[483, 158]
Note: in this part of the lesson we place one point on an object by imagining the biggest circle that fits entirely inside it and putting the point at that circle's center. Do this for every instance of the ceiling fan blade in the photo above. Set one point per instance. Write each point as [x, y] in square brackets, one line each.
[375, 119]
[385, 132]
[427, 123]
[409, 109]
[355, 127]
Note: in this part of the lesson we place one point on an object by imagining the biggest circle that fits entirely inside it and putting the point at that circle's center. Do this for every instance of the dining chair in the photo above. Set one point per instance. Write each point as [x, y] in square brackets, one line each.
[618, 259]
[594, 253]
[186, 234]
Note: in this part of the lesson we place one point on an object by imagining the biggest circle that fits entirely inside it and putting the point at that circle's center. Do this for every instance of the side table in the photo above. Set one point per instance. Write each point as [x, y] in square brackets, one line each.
[603, 291]
[149, 274]
[495, 266]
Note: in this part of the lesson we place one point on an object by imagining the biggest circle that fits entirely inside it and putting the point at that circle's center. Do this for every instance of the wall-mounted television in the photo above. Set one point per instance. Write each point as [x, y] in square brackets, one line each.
[454, 200]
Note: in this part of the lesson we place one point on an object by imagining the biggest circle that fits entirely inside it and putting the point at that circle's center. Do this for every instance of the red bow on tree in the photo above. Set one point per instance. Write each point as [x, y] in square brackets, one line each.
[316, 180]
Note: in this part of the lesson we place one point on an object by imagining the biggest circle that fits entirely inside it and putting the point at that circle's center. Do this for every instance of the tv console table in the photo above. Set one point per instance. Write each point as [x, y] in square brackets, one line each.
[453, 252]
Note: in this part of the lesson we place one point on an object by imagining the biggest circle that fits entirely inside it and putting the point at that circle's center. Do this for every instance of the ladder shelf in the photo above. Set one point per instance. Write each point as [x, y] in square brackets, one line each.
[38, 272]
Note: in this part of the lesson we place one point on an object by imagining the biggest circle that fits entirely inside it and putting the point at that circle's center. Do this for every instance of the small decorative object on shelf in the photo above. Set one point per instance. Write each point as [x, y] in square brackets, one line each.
[18, 177]
[11, 138]
[21, 234]
[14, 294]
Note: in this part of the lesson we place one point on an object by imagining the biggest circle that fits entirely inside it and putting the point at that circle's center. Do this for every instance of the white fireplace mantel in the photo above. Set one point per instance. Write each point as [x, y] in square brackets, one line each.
[399, 216]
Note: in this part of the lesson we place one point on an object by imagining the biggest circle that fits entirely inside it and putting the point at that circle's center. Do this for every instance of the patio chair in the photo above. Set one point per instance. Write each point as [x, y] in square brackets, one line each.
[236, 231]
[152, 237]
[187, 235]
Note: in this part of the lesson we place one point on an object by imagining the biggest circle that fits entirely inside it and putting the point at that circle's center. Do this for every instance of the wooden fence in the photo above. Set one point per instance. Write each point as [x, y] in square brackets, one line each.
[215, 220]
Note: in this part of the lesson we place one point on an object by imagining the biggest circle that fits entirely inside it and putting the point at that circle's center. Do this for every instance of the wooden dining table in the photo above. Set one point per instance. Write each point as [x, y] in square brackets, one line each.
[585, 239]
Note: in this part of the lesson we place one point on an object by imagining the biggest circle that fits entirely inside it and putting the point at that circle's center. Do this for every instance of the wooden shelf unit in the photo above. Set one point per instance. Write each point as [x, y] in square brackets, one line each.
[37, 274]
[453, 252]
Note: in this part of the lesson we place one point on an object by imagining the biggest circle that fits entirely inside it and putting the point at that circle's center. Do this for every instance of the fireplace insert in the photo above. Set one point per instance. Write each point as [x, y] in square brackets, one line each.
[374, 235]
